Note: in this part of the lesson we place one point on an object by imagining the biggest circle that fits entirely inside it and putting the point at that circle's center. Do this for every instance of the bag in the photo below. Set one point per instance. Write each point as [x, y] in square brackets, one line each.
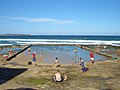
[85, 69]
[29, 63]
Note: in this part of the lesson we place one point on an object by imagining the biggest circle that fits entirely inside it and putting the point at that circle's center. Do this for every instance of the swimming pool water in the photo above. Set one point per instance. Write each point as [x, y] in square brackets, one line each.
[65, 54]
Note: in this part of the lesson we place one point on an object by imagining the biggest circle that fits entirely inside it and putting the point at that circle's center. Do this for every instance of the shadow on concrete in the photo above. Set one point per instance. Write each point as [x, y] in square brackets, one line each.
[8, 73]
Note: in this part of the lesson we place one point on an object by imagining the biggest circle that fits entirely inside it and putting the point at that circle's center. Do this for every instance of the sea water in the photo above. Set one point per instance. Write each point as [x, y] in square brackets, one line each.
[58, 39]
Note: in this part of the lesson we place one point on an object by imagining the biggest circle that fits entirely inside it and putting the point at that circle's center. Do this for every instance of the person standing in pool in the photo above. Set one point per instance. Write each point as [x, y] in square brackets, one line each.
[60, 47]
[75, 51]
[41, 56]
[10, 53]
[91, 57]
[29, 51]
[34, 58]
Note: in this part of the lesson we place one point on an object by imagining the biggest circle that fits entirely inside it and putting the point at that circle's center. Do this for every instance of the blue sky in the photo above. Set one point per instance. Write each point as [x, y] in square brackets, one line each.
[76, 17]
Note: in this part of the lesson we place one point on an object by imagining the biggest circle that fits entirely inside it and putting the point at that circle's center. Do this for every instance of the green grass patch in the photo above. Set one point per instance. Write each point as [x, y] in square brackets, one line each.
[91, 77]
[73, 76]
[37, 81]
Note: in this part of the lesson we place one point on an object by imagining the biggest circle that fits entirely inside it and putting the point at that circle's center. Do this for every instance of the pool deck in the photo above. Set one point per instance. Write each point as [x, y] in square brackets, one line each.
[89, 49]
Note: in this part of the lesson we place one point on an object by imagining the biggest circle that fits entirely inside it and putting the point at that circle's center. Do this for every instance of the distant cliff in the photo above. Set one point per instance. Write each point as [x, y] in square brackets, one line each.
[14, 34]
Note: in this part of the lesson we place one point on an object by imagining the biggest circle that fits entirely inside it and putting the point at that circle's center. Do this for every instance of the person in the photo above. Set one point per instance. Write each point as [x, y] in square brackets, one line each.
[80, 61]
[10, 53]
[41, 56]
[54, 48]
[75, 50]
[34, 58]
[5, 56]
[56, 62]
[92, 57]
[60, 47]
[72, 62]
[65, 77]
[58, 76]
[83, 64]
[29, 51]
[104, 48]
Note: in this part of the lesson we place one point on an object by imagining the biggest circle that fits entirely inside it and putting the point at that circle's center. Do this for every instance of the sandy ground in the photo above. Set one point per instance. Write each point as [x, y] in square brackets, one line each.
[17, 75]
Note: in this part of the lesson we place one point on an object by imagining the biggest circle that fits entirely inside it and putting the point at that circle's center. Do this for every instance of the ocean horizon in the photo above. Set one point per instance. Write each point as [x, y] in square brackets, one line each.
[23, 39]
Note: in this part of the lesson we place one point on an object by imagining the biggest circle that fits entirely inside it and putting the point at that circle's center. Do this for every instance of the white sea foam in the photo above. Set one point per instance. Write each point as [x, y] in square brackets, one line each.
[57, 41]
[6, 44]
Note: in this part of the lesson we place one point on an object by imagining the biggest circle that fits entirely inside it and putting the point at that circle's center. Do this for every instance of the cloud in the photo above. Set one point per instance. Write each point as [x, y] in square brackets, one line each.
[48, 20]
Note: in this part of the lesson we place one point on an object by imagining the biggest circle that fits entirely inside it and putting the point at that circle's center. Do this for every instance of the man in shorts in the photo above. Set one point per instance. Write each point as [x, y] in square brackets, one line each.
[34, 58]
[58, 77]
[91, 57]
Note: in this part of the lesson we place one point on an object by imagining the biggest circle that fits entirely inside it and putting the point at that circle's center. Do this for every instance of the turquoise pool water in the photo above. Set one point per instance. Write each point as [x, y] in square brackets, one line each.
[65, 54]
[6, 50]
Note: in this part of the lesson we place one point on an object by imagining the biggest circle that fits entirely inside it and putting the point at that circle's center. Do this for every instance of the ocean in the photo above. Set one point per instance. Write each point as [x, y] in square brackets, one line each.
[51, 52]
[58, 39]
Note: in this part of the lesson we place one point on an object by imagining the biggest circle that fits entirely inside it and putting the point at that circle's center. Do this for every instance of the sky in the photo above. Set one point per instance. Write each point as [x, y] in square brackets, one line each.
[60, 17]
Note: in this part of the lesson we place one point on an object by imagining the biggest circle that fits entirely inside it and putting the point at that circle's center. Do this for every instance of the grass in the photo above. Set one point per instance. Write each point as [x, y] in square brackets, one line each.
[73, 77]
[37, 81]
[100, 76]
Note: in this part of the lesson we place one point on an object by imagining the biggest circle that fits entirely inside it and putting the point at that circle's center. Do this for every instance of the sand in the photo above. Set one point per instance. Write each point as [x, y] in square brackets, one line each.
[16, 74]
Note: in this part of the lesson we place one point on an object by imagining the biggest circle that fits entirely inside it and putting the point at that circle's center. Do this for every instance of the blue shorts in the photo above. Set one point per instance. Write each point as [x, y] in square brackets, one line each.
[34, 59]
